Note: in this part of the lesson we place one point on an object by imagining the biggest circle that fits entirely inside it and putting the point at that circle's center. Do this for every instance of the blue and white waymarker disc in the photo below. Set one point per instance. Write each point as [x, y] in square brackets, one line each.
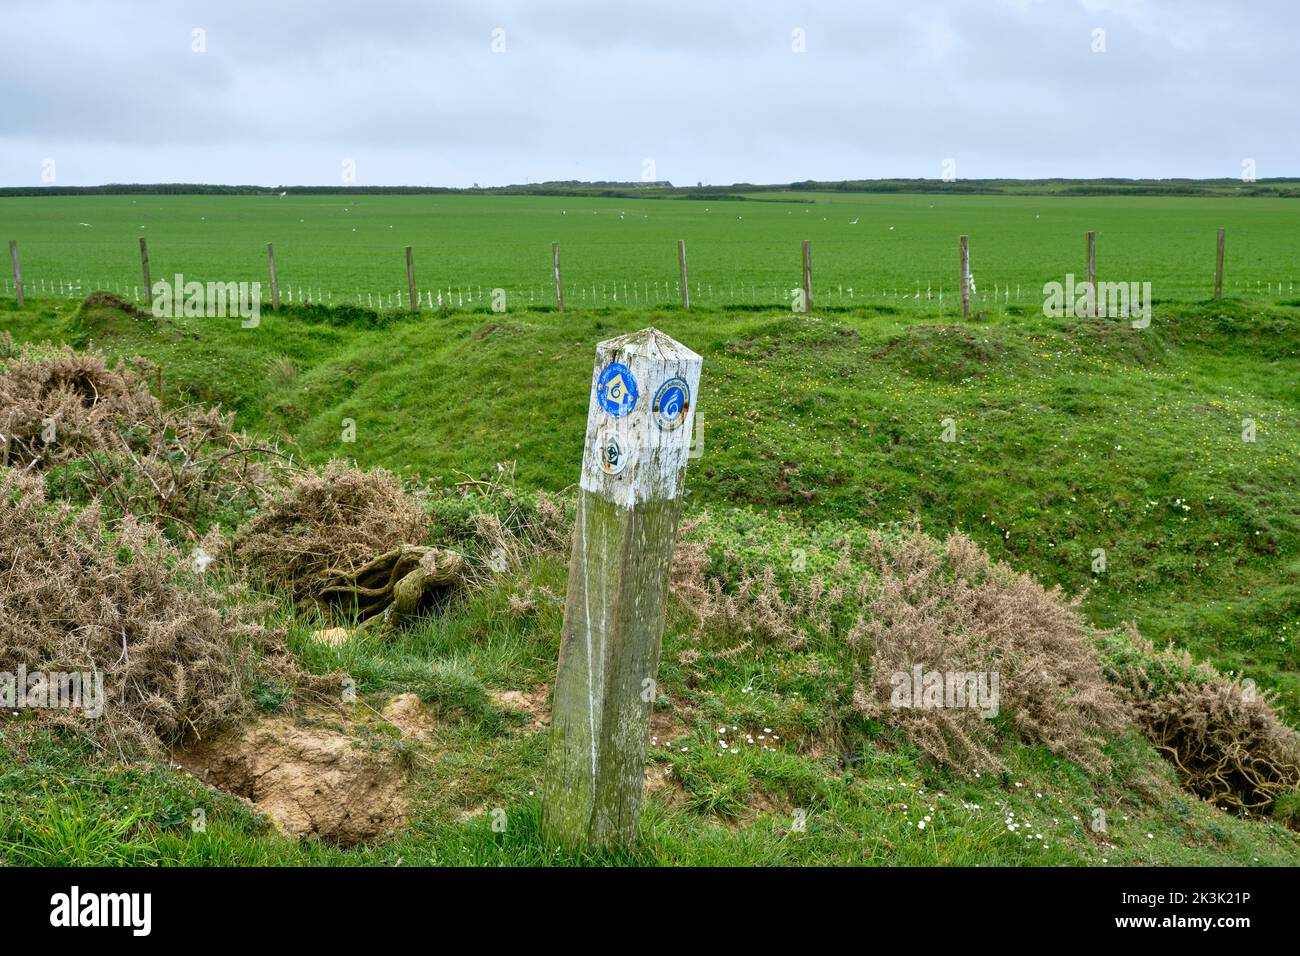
[616, 389]
[672, 400]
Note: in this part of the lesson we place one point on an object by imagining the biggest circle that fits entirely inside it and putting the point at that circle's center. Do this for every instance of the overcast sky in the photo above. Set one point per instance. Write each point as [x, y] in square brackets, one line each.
[457, 92]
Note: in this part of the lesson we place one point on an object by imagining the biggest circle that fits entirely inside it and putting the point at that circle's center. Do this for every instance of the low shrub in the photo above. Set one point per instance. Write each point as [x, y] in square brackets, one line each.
[1221, 733]
[173, 655]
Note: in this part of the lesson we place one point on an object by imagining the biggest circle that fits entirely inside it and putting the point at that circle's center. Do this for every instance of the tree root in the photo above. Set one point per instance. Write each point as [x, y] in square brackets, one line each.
[392, 587]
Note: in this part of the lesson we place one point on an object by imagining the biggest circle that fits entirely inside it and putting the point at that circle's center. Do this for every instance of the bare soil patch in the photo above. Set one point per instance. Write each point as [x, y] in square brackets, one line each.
[313, 776]
[409, 715]
[534, 705]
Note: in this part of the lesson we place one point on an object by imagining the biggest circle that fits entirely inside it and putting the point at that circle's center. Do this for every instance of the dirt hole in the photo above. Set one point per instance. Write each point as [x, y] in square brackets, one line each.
[319, 775]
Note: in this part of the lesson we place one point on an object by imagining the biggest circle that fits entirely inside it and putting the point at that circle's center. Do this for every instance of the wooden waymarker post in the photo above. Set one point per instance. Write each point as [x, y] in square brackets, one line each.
[965, 276]
[681, 268]
[411, 294]
[807, 275]
[18, 272]
[639, 425]
[275, 278]
[144, 266]
[559, 286]
[1218, 268]
[1092, 274]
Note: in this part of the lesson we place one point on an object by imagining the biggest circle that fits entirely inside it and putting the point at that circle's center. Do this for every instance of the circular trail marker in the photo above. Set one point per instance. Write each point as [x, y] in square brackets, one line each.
[616, 389]
[671, 403]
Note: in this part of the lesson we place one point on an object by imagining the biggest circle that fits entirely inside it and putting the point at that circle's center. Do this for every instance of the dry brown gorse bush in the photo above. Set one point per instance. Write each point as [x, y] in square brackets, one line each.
[1222, 734]
[78, 596]
[99, 432]
[948, 607]
[328, 524]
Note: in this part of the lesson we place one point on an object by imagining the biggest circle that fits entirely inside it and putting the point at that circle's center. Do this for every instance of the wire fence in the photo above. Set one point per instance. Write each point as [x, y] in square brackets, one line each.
[925, 295]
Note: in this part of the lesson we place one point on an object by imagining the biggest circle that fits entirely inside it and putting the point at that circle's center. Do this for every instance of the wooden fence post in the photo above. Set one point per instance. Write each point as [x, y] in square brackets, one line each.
[412, 296]
[559, 287]
[807, 275]
[1092, 274]
[639, 426]
[965, 276]
[18, 272]
[144, 266]
[1218, 268]
[681, 267]
[275, 278]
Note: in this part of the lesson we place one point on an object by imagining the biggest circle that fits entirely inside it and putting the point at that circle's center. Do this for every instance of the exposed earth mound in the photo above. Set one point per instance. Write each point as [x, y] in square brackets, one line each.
[317, 776]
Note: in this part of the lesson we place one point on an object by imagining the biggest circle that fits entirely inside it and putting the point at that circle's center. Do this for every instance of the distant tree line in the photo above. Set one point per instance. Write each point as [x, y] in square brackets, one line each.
[1275, 187]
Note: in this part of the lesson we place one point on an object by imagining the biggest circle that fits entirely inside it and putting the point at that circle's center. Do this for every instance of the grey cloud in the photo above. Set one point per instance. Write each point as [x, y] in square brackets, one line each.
[710, 90]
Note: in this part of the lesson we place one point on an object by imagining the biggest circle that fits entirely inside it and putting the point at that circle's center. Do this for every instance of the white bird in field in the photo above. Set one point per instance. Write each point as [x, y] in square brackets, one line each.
[891, 228]
[855, 220]
[84, 224]
[282, 195]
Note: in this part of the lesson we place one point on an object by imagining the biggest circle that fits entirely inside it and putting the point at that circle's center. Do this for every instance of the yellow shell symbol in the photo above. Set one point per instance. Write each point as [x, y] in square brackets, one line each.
[616, 390]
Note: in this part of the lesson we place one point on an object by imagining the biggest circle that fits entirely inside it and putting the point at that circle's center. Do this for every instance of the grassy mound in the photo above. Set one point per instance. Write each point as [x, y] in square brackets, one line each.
[104, 315]
[792, 619]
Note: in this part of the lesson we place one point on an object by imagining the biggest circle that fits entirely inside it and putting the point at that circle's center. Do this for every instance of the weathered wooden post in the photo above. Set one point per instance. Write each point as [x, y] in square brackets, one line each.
[1092, 274]
[965, 276]
[1218, 268]
[559, 286]
[807, 275]
[275, 279]
[18, 272]
[144, 266]
[639, 426]
[412, 296]
[681, 268]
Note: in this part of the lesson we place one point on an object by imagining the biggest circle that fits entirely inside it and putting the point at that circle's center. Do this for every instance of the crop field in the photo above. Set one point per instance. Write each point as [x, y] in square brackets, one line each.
[867, 249]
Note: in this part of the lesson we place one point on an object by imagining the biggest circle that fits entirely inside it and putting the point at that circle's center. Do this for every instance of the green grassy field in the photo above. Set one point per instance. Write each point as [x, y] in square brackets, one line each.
[1069, 437]
[896, 249]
